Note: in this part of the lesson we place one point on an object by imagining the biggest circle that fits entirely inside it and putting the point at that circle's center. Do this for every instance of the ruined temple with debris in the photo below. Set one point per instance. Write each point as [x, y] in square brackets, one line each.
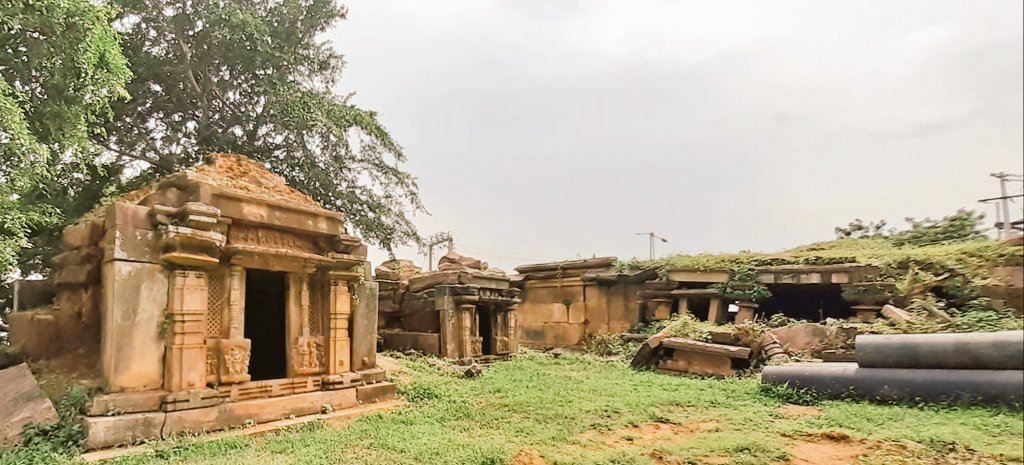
[464, 311]
[213, 297]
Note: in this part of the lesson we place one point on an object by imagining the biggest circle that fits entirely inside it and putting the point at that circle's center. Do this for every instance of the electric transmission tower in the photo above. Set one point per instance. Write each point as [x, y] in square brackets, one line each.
[441, 238]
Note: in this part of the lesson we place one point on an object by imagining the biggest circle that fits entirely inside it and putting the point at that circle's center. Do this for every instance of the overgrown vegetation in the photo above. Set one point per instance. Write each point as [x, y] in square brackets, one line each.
[609, 345]
[59, 442]
[932, 265]
[581, 410]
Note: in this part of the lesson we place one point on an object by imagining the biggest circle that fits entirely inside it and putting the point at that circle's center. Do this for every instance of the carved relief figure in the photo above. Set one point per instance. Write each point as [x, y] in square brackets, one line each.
[211, 362]
[269, 238]
[308, 354]
[236, 360]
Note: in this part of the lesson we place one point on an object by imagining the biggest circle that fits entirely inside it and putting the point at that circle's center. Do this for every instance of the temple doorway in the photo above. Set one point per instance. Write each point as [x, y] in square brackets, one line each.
[265, 303]
[486, 329]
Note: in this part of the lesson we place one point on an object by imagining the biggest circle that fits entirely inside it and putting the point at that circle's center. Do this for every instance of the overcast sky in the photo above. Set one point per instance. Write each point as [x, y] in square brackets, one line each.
[552, 130]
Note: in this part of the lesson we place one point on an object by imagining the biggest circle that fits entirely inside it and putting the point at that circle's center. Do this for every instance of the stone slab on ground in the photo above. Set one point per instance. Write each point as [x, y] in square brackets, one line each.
[21, 403]
[110, 431]
[338, 418]
[705, 347]
[805, 338]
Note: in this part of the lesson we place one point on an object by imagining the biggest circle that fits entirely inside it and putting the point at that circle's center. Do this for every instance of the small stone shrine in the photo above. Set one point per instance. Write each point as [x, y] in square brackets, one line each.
[214, 297]
[464, 311]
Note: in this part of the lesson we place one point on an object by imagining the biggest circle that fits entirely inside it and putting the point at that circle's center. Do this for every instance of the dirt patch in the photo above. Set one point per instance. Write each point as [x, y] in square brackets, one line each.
[528, 457]
[649, 434]
[828, 448]
[799, 411]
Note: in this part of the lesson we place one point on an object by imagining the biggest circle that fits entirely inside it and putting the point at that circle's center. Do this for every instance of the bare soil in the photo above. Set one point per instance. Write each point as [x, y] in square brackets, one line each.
[649, 434]
[828, 448]
[528, 457]
[799, 411]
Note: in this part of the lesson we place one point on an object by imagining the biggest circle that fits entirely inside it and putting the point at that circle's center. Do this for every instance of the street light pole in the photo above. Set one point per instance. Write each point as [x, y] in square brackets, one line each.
[651, 237]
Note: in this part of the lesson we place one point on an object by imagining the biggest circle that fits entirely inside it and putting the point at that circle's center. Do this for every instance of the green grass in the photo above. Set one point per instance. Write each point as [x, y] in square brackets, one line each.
[562, 408]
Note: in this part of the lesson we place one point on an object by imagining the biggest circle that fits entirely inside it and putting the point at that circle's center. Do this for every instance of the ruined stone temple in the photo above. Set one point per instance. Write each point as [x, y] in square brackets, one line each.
[566, 302]
[464, 311]
[214, 297]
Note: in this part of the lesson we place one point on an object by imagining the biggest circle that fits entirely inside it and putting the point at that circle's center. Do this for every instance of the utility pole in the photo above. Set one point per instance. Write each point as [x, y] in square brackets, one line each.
[436, 240]
[651, 237]
[1006, 231]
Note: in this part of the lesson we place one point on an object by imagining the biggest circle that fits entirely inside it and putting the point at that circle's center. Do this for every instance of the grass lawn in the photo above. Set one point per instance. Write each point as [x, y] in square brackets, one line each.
[539, 410]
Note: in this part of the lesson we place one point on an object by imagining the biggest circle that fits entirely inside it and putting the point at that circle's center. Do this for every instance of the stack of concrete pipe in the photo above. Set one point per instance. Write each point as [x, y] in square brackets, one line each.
[986, 368]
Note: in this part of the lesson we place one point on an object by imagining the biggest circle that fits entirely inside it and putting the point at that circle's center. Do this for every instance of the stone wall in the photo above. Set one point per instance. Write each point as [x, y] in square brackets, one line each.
[73, 322]
[563, 303]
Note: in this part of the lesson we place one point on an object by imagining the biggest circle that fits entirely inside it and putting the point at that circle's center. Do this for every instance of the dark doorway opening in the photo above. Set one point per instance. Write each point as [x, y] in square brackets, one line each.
[811, 302]
[700, 307]
[485, 327]
[265, 323]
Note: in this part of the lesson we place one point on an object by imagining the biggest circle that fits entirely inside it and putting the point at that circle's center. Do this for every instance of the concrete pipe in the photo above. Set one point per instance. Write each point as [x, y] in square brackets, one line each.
[1003, 350]
[900, 384]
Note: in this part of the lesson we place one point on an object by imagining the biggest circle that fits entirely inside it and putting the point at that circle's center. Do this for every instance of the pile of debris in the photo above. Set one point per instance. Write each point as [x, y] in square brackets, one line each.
[729, 350]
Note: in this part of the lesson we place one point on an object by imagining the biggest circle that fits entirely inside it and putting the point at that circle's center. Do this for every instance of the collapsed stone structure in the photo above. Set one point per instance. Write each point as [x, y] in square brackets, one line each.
[800, 291]
[464, 311]
[566, 302]
[214, 297]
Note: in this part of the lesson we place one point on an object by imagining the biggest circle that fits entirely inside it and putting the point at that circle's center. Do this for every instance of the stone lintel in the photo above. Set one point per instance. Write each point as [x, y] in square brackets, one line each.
[698, 276]
[706, 347]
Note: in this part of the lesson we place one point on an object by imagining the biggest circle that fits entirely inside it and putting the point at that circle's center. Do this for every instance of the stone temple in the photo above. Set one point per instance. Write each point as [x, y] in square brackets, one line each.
[465, 311]
[214, 297]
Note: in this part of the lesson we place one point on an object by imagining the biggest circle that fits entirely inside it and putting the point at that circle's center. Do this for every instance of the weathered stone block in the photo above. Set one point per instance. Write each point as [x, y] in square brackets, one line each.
[134, 304]
[21, 403]
[124, 402]
[424, 342]
[126, 214]
[81, 256]
[364, 326]
[258, 411]
[422, 322]
[373, 393]
[698, 363]
[82, 234]
[124, 242]
[429, 280]
[78, 274]
[34, 333]
[103, 432]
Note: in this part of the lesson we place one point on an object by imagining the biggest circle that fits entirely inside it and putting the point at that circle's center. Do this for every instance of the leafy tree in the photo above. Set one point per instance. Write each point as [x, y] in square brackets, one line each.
[964, 225]
[857, 229]
[60, 69]
[253, 77]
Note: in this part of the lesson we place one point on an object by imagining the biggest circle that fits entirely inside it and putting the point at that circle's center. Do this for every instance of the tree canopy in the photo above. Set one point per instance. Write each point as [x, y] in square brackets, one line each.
[60, 70]
[249, 77]
[254, 77]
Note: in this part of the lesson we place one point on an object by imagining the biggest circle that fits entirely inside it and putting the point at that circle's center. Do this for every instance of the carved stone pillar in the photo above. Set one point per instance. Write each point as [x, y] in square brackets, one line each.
[684, 305]
[513, 337]
[228, 358]
[451, 322]
[471, 345]
[307, 352]
[185, 358]
[716, 313]
[339, 343]
[236, 303]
